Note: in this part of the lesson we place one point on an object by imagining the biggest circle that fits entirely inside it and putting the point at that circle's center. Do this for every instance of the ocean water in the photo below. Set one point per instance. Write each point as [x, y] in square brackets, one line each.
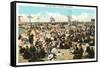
[21, 31]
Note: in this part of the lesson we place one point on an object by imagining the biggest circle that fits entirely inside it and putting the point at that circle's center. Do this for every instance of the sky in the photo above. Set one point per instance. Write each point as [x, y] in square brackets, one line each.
[81, 13]
[63, 10]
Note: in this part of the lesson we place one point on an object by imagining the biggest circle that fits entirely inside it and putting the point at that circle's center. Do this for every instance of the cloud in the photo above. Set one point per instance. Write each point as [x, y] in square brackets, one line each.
[58, 17]
[41, 17]
[83, 17]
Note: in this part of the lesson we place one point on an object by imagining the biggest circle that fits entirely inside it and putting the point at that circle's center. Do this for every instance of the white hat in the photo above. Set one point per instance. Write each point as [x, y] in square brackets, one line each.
[50, 56]
[87, 44]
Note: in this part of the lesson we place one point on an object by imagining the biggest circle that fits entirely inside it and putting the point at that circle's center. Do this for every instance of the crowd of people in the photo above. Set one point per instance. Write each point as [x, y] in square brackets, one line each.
[46, 40]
